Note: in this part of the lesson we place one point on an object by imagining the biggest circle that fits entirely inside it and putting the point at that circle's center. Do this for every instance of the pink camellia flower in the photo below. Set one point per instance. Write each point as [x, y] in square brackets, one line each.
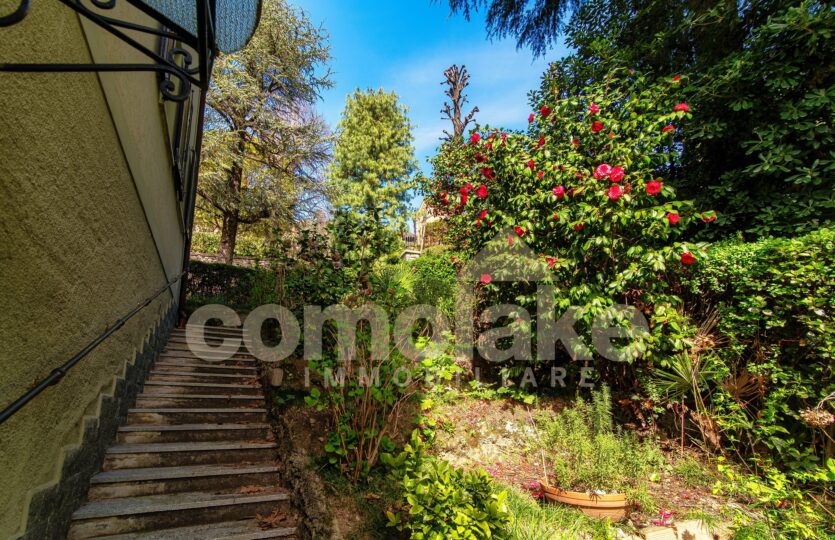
[558, 191]
[615, 192]
[594, 109]
[531, 118]
[668, 129]
[653, 187]
[486, 279]
[481, 192]
[579, 227]
[673, 218]
[617, 174]
[545, 111]
[684, 107]
[602, 171]
[531, 164]
[541, 142]
[475, 138]
[687, 258]
[597, 126]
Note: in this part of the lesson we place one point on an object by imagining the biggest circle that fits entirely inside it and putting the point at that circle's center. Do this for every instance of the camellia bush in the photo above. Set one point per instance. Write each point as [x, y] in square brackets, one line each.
[587, 189]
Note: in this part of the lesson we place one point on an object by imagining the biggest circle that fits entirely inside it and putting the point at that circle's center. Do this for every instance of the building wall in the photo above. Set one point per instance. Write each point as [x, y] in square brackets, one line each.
[89, 227]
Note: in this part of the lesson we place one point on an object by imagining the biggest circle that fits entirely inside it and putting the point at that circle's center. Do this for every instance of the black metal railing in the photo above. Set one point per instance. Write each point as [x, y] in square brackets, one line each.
[58, 373]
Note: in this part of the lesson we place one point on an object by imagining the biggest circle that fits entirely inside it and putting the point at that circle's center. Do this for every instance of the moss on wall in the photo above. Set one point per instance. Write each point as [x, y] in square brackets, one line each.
[77, 247]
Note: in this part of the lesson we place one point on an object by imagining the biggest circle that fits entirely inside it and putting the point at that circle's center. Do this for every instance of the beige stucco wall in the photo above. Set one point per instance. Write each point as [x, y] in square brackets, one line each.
[89, 227]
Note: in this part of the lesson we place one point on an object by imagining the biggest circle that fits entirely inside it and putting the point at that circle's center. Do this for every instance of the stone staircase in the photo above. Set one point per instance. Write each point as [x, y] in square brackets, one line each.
[196, 459]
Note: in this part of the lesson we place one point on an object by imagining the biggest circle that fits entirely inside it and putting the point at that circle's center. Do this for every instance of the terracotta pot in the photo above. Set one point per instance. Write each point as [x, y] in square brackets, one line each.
[612, 506]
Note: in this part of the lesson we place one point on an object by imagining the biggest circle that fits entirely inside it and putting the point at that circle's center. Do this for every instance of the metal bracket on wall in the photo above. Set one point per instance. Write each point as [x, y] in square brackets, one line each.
[169, 65]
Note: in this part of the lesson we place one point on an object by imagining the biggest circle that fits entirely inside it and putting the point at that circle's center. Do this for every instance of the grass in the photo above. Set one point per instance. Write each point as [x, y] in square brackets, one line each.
[533, 520]
[371, 510]
[692, 473]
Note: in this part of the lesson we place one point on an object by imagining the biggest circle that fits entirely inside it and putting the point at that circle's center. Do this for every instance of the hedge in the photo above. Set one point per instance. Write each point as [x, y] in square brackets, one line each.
[776, 300]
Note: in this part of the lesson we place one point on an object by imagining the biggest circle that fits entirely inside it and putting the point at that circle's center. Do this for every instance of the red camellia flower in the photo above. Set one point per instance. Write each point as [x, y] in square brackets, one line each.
[676, 78]
[575, 142]
[489, 145]
[488, 173]
[570, 192]
[551, 261]
[540, 174]
[594, 109]
[558, 191]
[616, 174]
[653, 187]
[673, 218]
[668, 129]
[545, 111]
[469, 186]
[682, 107]
[531, 164]
[486, 279]
[602, 171]
[709, 219]
[555, 217]
[531, 118]
[541, 142]
[475, 138]
[597, 126]
[614, 192]
[687, 258]
[444, 199]
[519, 230]
[480, 158]
[481, 192]
[579, 227]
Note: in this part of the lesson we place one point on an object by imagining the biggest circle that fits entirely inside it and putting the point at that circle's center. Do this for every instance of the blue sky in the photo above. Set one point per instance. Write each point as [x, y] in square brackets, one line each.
[405, 45]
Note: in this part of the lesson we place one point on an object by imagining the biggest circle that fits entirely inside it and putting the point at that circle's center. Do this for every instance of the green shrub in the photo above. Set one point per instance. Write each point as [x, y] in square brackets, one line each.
[209, 242]
[442, 502]
[236, 287]
[588, 454]
[436, 278]
[776, 338]
[437, 251]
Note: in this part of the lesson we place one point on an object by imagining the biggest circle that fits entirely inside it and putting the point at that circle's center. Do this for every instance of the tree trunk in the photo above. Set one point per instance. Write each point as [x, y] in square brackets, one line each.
[228, 237]
[229, 232]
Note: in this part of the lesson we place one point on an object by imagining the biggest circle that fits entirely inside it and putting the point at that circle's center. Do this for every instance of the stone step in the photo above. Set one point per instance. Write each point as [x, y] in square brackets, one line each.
[190, 401]
[216, 330]
[169, 387]
[188, 355]
[155, 512]
[134, 456]
[191, 376]
[214, 341]
[230, 530]
[174, 415]
[208, 352]
[150, 433]
[161, 480]
[200, 367]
